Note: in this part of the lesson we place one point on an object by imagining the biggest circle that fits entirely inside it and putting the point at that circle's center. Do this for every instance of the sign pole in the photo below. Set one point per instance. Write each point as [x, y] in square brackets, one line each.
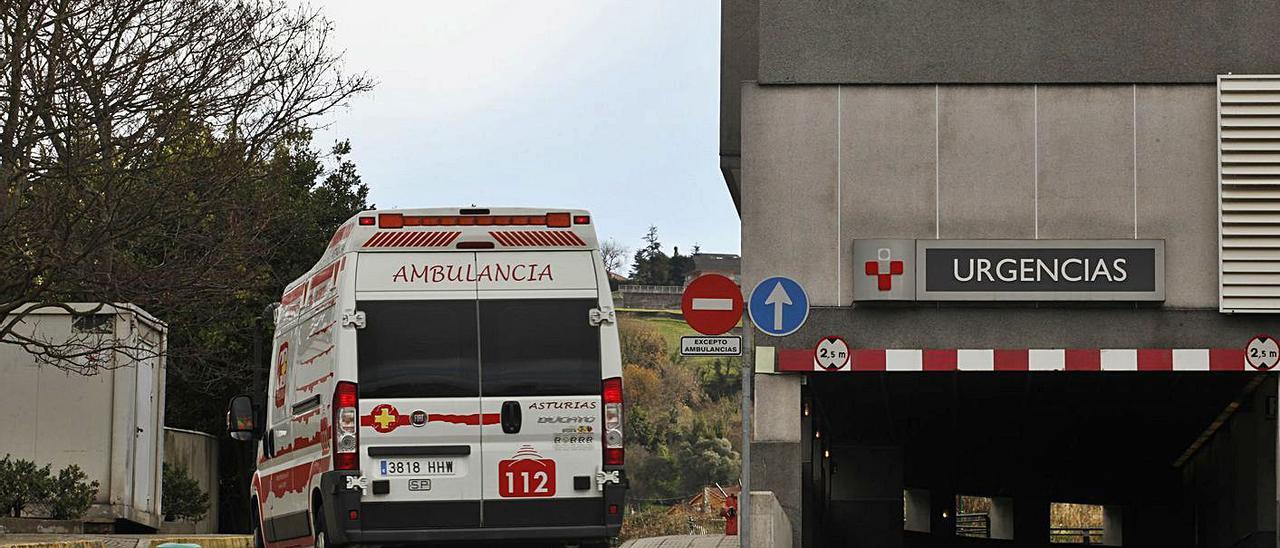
[748, 377]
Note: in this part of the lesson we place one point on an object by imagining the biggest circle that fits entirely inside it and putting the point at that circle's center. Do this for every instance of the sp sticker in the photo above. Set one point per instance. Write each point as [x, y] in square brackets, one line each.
[526, 475]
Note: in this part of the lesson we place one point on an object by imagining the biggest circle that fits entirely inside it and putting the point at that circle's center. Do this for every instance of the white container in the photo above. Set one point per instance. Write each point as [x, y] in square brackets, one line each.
[111, 423]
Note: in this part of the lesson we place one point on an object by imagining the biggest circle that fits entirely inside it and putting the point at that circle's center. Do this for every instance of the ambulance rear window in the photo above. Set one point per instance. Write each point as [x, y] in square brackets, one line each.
[418, 349]
[539, 347]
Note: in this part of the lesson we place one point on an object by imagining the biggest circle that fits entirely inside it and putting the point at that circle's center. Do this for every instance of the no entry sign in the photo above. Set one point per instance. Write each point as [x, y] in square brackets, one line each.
[712, 304]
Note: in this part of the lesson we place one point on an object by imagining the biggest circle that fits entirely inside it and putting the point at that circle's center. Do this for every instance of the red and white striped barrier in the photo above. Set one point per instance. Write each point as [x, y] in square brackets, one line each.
[1024, 359]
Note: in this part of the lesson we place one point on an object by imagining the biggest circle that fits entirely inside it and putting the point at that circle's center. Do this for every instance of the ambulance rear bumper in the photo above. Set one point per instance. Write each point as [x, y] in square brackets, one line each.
[397, 536]
[349, 521]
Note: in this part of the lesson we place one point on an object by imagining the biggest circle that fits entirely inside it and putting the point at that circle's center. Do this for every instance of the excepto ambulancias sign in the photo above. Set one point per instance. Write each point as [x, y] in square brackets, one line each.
[1013, 270]
[711, 346]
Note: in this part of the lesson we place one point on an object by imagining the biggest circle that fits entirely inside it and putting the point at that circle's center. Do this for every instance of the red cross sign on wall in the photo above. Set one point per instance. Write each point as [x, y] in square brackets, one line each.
[884, 280]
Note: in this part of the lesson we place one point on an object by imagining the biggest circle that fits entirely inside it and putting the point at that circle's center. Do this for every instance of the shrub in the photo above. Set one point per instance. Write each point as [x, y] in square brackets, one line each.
[182, 497]
[21, 485]
[656, 521]
[641, 344]
[69, 497]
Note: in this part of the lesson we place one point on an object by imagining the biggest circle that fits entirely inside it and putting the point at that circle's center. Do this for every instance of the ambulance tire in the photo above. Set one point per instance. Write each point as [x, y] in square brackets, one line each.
[257, 525]
[322, 538]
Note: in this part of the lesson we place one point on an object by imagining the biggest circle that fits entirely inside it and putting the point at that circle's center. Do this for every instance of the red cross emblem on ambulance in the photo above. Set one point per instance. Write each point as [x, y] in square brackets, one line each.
[385, 418]
[884, 268]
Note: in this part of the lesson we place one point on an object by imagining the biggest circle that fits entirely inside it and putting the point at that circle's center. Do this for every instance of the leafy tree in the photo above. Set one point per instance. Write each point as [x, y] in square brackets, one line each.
[678, 267]
[703, 460]
[641, 344]
[657, 475]
[183, 499]
[131, 148]
[681, 424]
[722, 378]
[211, 341]
[651, 266]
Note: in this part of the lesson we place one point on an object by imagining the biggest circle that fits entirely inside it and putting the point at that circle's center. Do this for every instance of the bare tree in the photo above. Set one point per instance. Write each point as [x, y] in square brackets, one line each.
[614, 256]
[125, 125]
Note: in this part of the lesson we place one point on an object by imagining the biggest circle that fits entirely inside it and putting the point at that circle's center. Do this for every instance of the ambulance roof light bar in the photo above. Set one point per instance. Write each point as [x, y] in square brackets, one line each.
[550, 220]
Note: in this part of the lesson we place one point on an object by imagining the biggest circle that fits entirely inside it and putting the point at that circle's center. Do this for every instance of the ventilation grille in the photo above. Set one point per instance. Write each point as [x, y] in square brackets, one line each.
[1249, 193]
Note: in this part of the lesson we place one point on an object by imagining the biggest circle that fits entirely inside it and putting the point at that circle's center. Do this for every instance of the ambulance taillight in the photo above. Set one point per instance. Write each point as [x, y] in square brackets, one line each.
[346, 427]
[612, 396]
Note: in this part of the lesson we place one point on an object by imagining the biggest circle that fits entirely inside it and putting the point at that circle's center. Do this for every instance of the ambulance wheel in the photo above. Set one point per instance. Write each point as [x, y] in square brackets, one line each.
[322, 539]
[257, 525]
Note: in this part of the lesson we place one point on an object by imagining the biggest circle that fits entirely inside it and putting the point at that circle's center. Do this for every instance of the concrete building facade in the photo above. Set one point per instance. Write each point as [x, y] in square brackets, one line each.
[1076, 121]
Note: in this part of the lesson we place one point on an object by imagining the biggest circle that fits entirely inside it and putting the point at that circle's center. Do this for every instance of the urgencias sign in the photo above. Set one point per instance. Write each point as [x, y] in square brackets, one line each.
[1013, 270]
[1040, 270]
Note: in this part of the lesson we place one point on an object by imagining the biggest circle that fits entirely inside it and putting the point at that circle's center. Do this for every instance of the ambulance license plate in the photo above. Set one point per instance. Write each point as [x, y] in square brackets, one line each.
[416, 467]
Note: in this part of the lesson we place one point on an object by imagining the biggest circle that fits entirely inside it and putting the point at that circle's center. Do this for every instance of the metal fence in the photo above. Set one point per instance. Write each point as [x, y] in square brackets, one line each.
[1076, 535]
[653, 289]
[973, 525]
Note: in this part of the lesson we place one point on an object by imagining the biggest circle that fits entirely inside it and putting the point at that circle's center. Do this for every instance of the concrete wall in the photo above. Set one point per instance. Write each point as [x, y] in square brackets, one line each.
[823, 165]
[197, 453]
[983, 41]
[738, 60]
[651, 301]
[1232, 477]
[769, 524]
[867, 494]
[776, 446]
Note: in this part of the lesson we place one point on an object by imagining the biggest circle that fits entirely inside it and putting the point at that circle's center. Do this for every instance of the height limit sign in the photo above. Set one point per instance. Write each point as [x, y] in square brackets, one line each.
[1262, 353]
[712, 305]
[831, 354]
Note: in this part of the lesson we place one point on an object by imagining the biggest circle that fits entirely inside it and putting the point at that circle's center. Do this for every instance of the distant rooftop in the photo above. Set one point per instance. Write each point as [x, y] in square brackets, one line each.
[717, 262]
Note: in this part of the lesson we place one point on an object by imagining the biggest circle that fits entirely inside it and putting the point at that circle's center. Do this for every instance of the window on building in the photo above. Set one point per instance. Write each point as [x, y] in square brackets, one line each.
[93, 324]
[1071, 523]
[973, 516]
[915, 510]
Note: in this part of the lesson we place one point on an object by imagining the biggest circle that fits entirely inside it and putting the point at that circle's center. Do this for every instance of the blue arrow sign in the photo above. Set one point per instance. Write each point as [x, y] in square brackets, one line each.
[778, 306]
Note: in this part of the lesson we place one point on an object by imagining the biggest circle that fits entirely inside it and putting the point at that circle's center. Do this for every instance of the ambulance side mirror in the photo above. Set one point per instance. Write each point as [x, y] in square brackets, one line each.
[241, 423]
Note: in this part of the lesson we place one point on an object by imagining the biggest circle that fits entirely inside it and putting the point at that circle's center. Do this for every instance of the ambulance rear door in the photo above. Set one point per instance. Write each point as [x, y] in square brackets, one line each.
[540, 373]
[419, 388]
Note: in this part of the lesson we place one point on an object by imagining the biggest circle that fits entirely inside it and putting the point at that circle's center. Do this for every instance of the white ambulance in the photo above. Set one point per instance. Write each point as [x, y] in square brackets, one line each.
[443, 375]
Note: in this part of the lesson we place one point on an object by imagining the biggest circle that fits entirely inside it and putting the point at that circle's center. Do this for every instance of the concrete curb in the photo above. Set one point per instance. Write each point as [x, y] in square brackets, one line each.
[230, 541]
[684, 541]
[55, 544]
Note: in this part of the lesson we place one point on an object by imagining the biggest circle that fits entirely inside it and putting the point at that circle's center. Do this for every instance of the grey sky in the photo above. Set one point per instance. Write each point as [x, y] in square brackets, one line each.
[609, 106]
